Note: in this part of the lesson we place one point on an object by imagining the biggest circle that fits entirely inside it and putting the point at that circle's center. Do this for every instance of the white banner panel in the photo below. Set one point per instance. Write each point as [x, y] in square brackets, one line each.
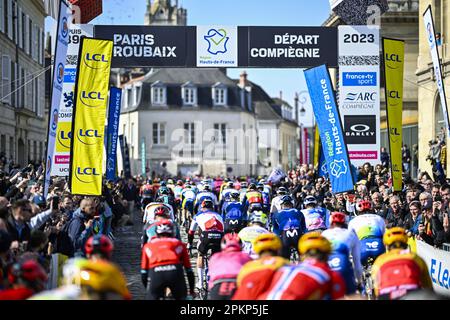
[61, 158]
[438, 263]
[217, 46]
[359, 91]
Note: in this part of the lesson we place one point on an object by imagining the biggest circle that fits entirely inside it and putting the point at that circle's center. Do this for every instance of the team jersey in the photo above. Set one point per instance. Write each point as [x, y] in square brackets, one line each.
[316, 218]
[242, 193]
[207, 221]
[346, 242]
[255, 277]
[226, 265]
[399, 270]
[164, 251]
[202, 195]
[276, 204]
[253, 197]
[247, 235]
[226, 192]
[150, 231]
[149, 212]
[310, 280]
[146, 191]
[233, 211]
[368, 226]
[288, 219]
[177, 191]
[188, 194]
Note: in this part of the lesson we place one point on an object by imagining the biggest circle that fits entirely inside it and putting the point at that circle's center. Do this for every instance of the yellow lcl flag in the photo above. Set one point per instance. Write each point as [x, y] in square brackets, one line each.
[394, 53]
[91, 96]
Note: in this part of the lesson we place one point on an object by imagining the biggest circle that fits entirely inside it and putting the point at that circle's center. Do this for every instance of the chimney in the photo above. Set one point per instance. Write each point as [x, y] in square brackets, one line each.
[296, 107]
[243, 80]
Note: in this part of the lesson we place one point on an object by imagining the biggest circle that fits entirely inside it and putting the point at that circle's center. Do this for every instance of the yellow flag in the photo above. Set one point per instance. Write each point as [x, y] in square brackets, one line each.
[394, 53]
[89, 114]
[316, 146]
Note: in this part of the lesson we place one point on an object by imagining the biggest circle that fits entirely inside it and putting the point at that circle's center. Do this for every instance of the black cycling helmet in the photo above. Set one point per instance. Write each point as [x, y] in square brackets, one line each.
[252, 186]
[282, 191]
[286, 199]
[310, 200]
[207, 203]
[260, 186]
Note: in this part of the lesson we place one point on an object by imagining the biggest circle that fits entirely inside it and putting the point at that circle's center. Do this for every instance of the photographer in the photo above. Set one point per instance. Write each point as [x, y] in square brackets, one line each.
[431, 229]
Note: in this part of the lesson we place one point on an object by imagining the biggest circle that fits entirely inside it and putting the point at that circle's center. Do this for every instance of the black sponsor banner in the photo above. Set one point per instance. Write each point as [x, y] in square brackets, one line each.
[360, 129]
[268, 47]
[292, 46]
[140, 46]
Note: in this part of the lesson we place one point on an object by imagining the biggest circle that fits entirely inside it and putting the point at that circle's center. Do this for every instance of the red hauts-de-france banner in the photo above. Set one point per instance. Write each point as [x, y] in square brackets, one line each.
[359, 92]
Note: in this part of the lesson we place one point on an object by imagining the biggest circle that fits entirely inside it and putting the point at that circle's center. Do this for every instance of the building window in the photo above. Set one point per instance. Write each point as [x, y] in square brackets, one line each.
[158, 94]
[219, 96]
[6, 79]
[189, 135]
[159, 133]
[129, 97]
[220, 133]
[3, 145]
[189, 94]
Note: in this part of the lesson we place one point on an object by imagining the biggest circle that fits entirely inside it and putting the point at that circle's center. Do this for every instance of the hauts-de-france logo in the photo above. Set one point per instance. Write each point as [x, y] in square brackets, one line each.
[217, 41]
[338, 168]
[65, 28]
[49, 165]
[60, 73]
[55, 119]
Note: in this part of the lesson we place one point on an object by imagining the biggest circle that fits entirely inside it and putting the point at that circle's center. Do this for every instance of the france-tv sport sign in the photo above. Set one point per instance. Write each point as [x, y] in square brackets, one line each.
[221, 46]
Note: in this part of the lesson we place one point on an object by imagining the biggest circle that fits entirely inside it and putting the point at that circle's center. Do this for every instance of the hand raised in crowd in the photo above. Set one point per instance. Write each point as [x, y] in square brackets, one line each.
[437, 205]
[421, 229]
[446, 222]
[89, 224]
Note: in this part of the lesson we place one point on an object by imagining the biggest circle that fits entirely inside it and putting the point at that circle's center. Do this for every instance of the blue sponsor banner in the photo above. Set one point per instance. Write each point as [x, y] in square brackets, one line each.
[323, 169]
[70, 75]
[330, 128]
[359, 79]
[115, 100]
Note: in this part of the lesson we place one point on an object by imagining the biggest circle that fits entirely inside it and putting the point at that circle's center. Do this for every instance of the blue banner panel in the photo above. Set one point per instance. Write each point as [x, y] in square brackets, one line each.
[330, 128]
[115, 100]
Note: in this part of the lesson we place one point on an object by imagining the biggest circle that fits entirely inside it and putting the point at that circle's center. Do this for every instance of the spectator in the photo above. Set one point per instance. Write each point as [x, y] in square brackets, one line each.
[378, 206]
[5, 257]
[395, 214]
[17, 223]
[413, 219]
[130, 194]
[384, 158]
[431, 230]
[406, 159]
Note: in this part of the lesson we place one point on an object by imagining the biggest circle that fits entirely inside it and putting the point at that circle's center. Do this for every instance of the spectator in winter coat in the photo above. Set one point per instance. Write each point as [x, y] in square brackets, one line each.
[413, 218]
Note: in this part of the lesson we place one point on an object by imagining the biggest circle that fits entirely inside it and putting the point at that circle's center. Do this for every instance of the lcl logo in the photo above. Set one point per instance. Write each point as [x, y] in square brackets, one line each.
[84, 135]
[393, 61]
[95, 61]
[88, 97]
[86, 175]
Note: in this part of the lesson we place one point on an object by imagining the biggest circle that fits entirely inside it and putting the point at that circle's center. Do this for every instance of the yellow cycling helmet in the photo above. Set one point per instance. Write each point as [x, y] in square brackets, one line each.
[266, 241]
[101, 275]
[395, 234]
[314, 241]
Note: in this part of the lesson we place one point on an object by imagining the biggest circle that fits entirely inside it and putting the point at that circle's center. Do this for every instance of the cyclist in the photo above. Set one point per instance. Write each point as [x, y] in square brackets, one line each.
[149, 213]
[188, 196]
[369, 228]
[398, 271]
[276, 202]
[344, 242]
[211, 226]
[206, 193]
[289, 224]
[99, 247]
[252, 197]
[317, 218]
[85, 279]
[227, 189]
[243, 190]
[146, 194]
[162, 264]
[26, 278]
[167, 197]
[177, 190]
[256, 227]
[265, 197]
[233, 214]
[312, 279]
[224, 267]
[149, 232]
[255, 276]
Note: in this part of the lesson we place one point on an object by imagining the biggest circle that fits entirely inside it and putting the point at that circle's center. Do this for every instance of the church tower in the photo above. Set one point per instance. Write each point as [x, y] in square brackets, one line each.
[165, 12]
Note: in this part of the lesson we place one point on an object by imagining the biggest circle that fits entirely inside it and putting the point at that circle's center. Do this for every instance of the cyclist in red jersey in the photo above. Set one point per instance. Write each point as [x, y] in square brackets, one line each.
[163, 259]
[312, 279]
[27, 278]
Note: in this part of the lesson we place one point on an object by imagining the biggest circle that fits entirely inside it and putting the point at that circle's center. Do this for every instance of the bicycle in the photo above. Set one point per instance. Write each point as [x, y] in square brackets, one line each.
[368, 289]
[203, 292]
[294, 257]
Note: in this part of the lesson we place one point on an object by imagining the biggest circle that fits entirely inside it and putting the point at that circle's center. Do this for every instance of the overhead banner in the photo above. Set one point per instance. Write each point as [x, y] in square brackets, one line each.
[330, 128]
[221, 46]
[115, 101]
[430, 32]
[359, 92]
[438, 263]
[394, 56]
[61, 159]
[62, 42]
[291, 46]
[142, 46]
[91, 92]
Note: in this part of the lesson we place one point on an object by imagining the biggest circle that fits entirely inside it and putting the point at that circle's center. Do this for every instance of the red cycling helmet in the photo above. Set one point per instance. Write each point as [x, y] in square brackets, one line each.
[99, 244]
[338, 217]
[363, 206]
[162, 211]
[165, 227]
[30, 272]
[231, 241]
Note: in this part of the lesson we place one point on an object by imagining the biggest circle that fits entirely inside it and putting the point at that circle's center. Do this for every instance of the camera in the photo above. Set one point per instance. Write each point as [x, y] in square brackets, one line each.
[437, 199]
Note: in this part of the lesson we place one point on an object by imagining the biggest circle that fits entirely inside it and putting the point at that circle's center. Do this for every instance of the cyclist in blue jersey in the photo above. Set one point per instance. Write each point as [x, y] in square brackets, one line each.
[234, 215]
[265, 198]
[206, 193]
[289, 225]
[316, 218]
[344, 243]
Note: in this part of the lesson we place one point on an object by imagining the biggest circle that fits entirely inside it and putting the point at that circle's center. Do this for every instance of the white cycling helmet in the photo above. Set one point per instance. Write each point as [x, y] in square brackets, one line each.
[310, 200]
